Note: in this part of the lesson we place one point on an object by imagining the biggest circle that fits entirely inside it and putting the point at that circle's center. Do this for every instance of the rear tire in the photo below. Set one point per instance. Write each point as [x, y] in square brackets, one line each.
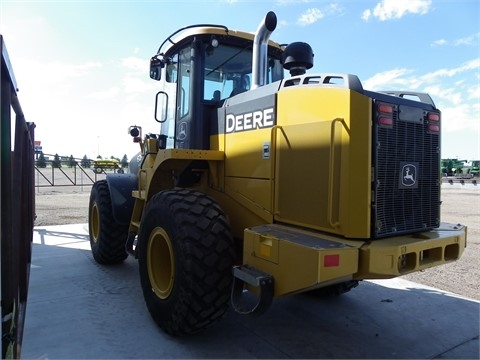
[186, 253]
[107, 237]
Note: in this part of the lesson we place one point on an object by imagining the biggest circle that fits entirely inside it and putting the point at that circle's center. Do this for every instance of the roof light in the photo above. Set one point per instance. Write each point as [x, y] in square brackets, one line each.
[214, 41]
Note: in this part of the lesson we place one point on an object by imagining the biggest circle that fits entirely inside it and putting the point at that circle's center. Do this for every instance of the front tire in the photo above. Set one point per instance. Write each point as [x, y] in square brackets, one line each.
[107, 237]
[186, 253]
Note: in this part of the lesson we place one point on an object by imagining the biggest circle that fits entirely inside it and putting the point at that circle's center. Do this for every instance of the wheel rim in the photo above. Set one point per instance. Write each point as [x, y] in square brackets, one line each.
[160, 263]
[95, 222]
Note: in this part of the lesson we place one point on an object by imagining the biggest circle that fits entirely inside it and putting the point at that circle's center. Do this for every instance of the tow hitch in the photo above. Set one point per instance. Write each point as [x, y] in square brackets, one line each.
[245, 302]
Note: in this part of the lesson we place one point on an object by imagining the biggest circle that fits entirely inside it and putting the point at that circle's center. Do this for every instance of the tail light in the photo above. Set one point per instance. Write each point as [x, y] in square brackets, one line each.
[385, 115]
[433, 122]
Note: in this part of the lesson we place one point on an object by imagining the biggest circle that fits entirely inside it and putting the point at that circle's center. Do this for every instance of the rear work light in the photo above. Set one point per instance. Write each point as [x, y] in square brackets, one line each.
[385, 114]
[433, 122]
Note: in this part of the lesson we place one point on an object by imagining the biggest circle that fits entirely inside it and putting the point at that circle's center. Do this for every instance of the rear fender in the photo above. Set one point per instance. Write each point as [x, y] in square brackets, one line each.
[121, 187]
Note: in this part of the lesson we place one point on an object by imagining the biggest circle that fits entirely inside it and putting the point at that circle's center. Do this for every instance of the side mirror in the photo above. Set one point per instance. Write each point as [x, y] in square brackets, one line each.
[156, 66]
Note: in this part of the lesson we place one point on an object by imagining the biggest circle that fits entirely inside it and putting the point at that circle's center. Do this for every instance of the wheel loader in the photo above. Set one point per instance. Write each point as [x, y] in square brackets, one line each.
[264, 180]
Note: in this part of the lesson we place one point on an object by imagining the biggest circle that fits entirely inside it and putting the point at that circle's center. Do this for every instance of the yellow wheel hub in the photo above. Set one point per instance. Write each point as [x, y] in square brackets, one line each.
[160, 263]
[95, 222]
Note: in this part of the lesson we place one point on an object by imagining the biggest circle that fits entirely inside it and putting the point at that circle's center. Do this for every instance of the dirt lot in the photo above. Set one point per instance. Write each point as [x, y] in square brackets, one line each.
[69, 204]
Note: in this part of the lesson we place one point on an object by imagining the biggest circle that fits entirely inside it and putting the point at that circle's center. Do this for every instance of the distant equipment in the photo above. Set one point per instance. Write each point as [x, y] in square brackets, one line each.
[100, 165]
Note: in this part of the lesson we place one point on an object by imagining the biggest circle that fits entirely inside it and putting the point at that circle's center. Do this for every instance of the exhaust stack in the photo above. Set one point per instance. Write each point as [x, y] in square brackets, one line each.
[260, 49]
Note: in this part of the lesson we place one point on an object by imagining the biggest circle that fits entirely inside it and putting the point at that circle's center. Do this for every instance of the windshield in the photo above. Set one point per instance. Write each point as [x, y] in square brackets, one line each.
[228, 71]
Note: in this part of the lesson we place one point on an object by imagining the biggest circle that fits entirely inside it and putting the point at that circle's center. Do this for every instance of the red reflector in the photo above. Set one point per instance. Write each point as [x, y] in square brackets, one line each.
[385, 108]
[433, 128]
[433, 117]
[386, 121]
[331, 260]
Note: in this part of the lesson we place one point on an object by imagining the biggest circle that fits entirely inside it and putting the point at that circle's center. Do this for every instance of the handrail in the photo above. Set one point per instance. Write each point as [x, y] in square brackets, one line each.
[334, 224]
[273, 154]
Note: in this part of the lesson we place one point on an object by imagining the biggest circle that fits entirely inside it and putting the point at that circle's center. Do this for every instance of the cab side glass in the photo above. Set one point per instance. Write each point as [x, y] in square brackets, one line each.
[172, 69]
[156, 66]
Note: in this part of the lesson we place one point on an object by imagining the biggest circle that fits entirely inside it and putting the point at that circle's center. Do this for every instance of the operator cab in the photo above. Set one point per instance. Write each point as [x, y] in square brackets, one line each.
[204, 65]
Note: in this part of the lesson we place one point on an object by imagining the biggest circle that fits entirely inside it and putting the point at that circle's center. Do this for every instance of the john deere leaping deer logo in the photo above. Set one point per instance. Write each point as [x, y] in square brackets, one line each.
[408, 175]
[182, 134]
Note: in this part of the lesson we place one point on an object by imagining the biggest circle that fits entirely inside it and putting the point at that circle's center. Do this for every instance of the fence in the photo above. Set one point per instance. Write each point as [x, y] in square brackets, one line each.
[17, 199]
[71, 172]
[74, 175]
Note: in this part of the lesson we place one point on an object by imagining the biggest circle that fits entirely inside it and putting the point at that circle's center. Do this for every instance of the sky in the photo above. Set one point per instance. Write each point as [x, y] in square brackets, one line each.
[82, 67]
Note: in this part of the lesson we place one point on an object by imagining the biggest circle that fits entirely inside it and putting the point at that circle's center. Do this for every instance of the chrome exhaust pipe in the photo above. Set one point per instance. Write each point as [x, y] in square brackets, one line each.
[260, 49]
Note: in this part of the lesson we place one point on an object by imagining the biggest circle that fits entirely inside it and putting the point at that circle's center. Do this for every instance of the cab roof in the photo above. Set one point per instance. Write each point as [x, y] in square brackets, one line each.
[186, 33]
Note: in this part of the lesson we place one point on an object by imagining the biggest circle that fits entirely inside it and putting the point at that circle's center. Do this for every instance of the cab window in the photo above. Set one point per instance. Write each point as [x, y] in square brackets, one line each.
[228, 71]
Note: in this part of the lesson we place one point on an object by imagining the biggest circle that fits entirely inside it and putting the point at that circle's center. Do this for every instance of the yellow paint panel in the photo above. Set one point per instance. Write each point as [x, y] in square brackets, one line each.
[401, 255]
[302, 174]
[254, 194]
[323, 160]
[244, 153]
[296, 261]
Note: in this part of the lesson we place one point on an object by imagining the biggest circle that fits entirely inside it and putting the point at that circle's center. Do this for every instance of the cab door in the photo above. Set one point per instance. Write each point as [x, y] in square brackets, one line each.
[191, 131]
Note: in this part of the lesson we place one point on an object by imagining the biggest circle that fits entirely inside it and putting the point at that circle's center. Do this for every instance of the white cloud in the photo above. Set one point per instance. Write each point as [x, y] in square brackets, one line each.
[396, 9]
[465, 41]
[449, 94]
[15, 30]
[310, 16]
[366, 14]
[136, 64]
[468, 66]
[468, 40]
[110, 93]
[387, 80]
[432, 81]
[52, 73]
[291, 2]
[455, 91]
[474, 92]
[439, 42]
[133, 84]
[459, 117]
[282, 24]
[57, 97]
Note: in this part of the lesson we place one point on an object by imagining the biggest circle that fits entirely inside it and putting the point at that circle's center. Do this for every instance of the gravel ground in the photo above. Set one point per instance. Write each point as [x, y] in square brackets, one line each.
[69, 205]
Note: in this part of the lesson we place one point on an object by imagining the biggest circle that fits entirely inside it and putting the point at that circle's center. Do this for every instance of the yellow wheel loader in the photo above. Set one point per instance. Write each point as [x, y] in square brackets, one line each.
[260, 184]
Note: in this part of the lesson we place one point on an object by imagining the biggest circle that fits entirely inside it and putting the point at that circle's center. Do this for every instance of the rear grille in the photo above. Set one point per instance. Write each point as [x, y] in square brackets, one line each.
[406, 186]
